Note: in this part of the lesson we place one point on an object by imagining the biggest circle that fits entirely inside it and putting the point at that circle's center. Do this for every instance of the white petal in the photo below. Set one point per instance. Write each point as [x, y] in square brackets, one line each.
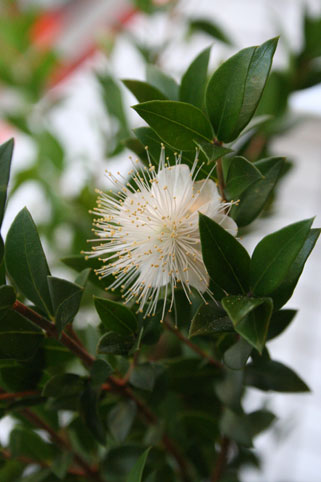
[208, 199]
[227, 223]
[176, 179]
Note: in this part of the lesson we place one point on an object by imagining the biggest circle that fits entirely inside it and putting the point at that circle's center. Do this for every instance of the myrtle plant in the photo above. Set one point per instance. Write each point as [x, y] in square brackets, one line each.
[146, 381]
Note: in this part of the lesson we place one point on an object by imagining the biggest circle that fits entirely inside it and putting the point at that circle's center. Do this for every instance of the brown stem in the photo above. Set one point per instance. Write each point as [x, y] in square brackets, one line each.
[12, 396]
[113, 383]
[52, 332]
[62, 443]
[29, 461]
[220, 177]
[194, 347]
[221, 461]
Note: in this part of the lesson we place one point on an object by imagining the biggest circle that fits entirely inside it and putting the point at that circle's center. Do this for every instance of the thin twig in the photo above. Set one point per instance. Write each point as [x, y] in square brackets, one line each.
[114, 383]
[62, 443]
[221, 461]
[220, 177]
[25, 394]
[194, 347]
[29, 461]
[52, 332]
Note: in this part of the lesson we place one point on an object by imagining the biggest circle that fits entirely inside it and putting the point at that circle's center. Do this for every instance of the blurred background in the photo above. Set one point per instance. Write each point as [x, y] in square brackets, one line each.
[61, 98]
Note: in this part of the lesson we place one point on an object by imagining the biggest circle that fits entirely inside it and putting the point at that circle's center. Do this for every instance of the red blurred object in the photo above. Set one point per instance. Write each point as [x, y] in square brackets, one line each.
[46, 29]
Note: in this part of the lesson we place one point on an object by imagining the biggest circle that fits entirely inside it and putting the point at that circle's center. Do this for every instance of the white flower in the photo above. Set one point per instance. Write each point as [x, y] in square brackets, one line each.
[149, 235]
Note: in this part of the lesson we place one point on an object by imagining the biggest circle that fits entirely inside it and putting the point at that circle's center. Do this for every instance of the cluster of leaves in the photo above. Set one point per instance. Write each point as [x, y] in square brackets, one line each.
[131, 383]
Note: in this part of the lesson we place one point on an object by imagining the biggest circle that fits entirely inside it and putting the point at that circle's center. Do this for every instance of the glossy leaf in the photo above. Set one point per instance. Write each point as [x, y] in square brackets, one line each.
[254, 198]
[226, 261]
[79, 263]
[284, 291]
[237, 355]
[235, 89]
[192, 89]
[112, 343]
[210, 319]
[136, 473]
[100, 371]
[143, 91]
[24, 442]
[64, 385]
[212, 151]
[176, 123]
[65, 298]
[26, 262]
[280, 320]
[16, 376]
[162, 82]
[6, 151]
[241, 175]
[250, 317]
[274, 255]
[116, 317]
[7, 298]
[272, 375]
[19, 338]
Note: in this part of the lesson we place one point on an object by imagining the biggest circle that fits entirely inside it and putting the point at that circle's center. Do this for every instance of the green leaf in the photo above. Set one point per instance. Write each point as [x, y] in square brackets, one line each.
[143, 376]
[210, 28]
[82, 278]
[136, 473]
[91, 415]
[241, 175]
[50, 149]
[212, 151]
[143, 91]
[79, 263]
[260, 420]
[284, 291]
[250, 317]
[112, 98]
[237, 355]
[65, 298]
[26, 262]
[162, 82]
[176, 123]
[226, 261]
[100, 371]
[19, 338]
[112, 343]
[229, 389]
[61, 464]
[7, 298]
[272, 375]
[236, 427]
[274, 255]
[64, 385]
[253, 199]
[210, 319]
[192, 89]
[280, 320]
[18, 376]
[116, 317]
[121, 418]
[236, 87]
[25, 442]
[6, 151]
